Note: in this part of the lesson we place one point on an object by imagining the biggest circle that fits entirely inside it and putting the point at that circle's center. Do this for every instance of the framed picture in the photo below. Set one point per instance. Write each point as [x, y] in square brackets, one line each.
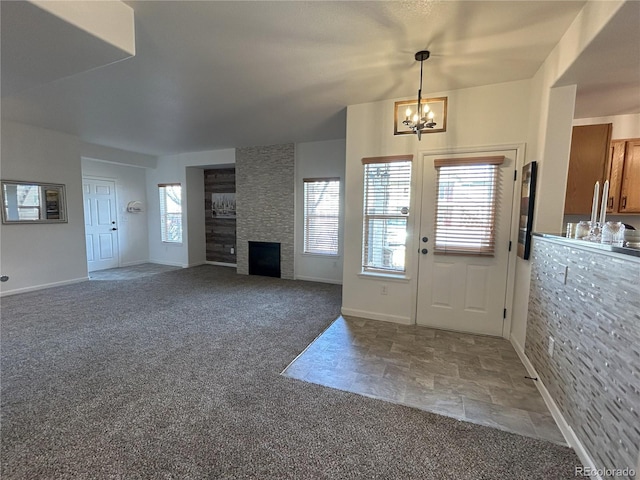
[223, 205]
[437, 105]
[527, 200]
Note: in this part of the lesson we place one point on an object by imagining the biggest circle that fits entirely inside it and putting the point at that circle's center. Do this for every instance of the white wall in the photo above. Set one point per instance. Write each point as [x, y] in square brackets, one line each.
[197, 247]
[549, 140]
[318, 160]
[623, 126]
[131, 185]
[173, 169]
[42, 255]
[481, 116]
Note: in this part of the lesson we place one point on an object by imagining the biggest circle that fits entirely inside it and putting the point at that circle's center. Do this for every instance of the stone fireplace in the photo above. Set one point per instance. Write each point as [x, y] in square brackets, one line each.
[265, 198]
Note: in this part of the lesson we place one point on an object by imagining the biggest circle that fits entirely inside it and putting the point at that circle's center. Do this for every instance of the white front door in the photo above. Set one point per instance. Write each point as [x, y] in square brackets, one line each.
[463, 292]
[100, 223]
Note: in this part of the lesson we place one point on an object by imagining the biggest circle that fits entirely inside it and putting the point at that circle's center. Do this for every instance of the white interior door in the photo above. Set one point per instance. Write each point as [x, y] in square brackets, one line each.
[100, 223]
[464, 292]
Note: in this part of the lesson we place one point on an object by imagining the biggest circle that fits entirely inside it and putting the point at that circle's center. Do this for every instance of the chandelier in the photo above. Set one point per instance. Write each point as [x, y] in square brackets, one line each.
[423, 118]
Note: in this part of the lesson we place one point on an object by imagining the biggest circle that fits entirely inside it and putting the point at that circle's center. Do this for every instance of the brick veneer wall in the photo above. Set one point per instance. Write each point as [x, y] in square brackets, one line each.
[265, 181]
[594, 374]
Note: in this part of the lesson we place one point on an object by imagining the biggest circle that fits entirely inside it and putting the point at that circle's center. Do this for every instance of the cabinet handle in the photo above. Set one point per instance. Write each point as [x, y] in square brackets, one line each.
[624, 202]
[610, 202]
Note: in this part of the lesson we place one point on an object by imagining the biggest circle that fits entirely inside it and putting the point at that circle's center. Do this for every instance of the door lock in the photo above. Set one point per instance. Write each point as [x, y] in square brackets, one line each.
[424, 251]
[114, 229]
[425, 239]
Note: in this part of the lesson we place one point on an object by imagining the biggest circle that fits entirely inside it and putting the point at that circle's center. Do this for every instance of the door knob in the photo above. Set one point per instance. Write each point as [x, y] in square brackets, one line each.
[114, 229]
[424, 251]
[425, 239]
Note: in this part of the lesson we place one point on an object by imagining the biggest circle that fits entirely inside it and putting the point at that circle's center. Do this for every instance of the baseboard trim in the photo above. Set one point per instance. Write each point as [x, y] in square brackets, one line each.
[319, 280]
[44, 286]
[169, 264]
[222, 264]
[376, 316]
[568, 433]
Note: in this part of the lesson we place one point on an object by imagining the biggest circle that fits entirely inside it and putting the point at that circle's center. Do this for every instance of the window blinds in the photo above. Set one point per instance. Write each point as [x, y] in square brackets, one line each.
[321, 215]
[387, 189]
[466, 202]
[170, 212]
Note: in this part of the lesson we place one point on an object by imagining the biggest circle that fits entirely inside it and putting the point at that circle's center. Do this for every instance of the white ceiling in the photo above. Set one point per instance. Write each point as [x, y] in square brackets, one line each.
[211, 74]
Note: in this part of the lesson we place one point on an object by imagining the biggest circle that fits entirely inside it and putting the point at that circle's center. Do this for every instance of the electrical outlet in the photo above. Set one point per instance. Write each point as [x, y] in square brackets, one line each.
[383, 290]
[233, 250]
[552, 344]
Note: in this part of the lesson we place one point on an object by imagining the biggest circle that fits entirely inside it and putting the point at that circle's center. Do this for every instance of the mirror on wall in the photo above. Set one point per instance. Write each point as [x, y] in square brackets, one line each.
[33, 202]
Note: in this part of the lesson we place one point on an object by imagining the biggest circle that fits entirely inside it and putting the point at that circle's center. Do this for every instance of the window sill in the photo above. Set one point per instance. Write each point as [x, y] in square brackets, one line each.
[331, 256]
[385, 276]
[174, 244]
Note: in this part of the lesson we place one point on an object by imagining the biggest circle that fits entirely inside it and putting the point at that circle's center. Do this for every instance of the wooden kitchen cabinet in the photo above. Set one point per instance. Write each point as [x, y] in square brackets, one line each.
[595, 158]
[588, 163]
[630, 183]
[614, 174]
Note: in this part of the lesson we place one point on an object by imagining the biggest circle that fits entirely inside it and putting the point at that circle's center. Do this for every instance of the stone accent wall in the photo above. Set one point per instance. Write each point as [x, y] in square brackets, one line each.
[265, 181]
[594, 374]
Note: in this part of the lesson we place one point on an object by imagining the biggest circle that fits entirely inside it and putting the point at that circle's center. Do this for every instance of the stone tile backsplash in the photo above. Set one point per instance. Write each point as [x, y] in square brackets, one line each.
[589, 302]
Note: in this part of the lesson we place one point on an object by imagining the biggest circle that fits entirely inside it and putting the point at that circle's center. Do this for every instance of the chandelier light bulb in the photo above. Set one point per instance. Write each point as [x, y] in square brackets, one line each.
[408, 113]
[416, 118]
[431, 115]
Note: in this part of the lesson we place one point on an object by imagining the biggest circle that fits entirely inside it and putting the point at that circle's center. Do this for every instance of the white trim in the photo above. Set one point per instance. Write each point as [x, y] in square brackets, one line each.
[320, 280]
[222, 264]
[43, 286]
[384, 277]
[568, 433]
[377, 316]
[170, 264]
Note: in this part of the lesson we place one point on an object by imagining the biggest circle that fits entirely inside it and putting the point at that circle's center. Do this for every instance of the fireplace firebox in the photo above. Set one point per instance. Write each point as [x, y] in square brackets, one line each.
[264, 259]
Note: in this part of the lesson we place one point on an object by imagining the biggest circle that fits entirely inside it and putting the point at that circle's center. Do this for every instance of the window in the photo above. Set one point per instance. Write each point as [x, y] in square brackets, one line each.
[467, 194]
[171, 212]
[321, 215]
[387, 189]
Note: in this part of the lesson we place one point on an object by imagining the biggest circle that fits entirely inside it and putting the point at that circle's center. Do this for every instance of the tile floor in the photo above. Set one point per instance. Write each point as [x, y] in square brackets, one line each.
[128, 273]
[469, 377]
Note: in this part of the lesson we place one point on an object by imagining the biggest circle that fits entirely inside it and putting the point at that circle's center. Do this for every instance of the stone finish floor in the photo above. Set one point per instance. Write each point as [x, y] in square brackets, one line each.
[128, 273]
[474, 378]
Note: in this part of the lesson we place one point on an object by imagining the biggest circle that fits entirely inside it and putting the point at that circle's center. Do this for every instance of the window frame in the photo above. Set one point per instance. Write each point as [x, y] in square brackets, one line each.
[336, 217]
[162, 195]
[367, 267]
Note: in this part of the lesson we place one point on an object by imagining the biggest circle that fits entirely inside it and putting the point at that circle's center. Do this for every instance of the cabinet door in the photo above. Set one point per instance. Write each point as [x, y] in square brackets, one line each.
[614, 174]
[630, 190]
[587, 165]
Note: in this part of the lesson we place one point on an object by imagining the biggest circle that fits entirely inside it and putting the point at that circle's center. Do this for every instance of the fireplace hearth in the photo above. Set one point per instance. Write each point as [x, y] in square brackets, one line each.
[264, 259]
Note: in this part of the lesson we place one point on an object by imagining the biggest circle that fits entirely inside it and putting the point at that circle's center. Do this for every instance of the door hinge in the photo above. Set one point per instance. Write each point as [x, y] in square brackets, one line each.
[509, 245]
[504, 313]
[515, 175]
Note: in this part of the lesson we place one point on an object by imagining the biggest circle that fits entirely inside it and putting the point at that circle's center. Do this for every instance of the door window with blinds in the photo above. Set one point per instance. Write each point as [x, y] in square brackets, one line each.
[387, 193]
[321, 215]
[171, 212]
[466, 199]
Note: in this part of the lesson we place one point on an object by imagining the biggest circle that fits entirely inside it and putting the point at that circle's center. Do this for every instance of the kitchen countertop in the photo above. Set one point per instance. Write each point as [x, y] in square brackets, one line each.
[634, 252]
